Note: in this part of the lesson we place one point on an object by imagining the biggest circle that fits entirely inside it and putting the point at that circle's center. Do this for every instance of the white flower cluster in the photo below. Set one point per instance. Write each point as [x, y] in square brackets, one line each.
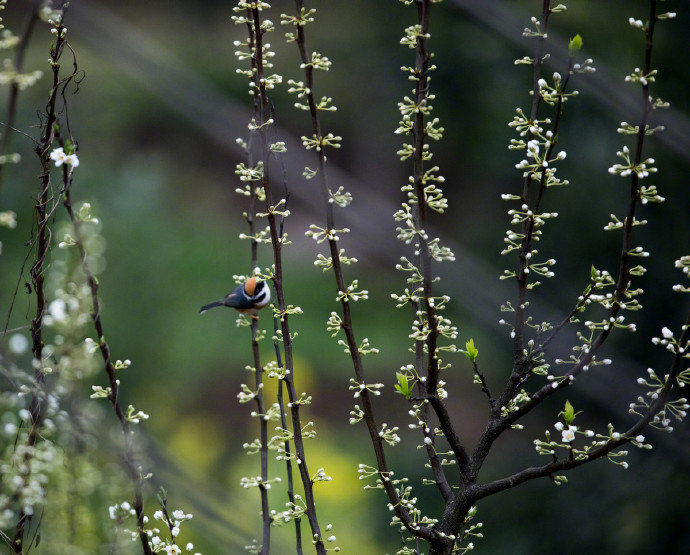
[320, 234]
[569, 433]
[351, 293]
[172, 522]
[423, 191]
[672, 409]
[642, 169]
[25, 468]
[318, 142]
[8, 219]
[358, 388]
[59, 156]
[10, 76]
[683, 263]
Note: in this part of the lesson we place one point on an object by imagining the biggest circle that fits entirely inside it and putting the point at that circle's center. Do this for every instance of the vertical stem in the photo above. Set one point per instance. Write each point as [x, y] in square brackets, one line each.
[261, 112]
[519, 361]
[258, 369]
[624, 271]
[42, 242]
[129, 458]
[13, 97]
[347, 326]
[263, 438]
[423, 58]
[286, 445]
[50, 133]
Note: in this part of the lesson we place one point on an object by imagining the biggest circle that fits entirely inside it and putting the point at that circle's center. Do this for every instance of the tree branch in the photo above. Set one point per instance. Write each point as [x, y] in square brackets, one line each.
[13, 97]
[598, 452]
[276, 241]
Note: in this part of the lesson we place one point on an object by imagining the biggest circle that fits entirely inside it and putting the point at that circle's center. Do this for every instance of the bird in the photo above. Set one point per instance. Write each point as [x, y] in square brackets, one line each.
[246, 297]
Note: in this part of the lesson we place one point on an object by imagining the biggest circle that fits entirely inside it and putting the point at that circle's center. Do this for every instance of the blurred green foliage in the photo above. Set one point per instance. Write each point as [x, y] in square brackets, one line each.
[164, 190]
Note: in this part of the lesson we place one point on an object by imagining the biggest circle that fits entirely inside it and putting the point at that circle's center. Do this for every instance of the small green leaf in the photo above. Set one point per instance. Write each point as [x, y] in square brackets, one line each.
[471, 351]
[574, 45]
[593, 273]
[403, 385]
[568, 413]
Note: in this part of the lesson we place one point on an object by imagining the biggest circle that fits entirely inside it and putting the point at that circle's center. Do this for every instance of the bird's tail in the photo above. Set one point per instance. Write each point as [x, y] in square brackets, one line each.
[212, 305]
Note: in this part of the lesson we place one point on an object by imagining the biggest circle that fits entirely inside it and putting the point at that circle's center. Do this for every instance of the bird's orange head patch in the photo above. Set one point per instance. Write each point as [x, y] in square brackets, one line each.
[250, 286]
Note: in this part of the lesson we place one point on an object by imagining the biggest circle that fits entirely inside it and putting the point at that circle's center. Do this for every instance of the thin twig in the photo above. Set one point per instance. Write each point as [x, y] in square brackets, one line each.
[347, 325]
[281, 380]
[258, 368]
[262, 111]
[43, 239]
[519, 361]
[286, 444]
[498, 425]
[133, 470]
[422, 65]
[601, 451]
[13, 97]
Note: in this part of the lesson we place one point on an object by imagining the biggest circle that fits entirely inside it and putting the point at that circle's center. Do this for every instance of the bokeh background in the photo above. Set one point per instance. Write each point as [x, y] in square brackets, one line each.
[156, 118]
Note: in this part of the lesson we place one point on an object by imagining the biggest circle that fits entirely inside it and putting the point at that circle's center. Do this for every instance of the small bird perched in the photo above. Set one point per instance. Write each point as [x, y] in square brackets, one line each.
[251, 295]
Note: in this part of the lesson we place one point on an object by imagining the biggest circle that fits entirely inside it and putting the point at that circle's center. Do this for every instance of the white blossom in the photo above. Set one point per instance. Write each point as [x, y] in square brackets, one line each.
[59, 157]
[18, 344]
[569, 434]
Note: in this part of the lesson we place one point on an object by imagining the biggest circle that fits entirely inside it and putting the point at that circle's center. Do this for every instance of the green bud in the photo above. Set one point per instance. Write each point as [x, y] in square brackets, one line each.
[574, 45]
[568, 413]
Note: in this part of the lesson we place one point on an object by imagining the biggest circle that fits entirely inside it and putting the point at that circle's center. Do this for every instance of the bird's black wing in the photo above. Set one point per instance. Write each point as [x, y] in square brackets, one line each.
[238, 299]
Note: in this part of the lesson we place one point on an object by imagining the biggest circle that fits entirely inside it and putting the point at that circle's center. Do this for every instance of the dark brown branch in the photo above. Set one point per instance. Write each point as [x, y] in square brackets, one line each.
[482, 380]
[624, 271]
[601, 451]
[286, 444]
[281, 381]
[128, 455]
[258, 369]
[422, 64]
[42, 241]
[347, 324]
[497, 425]
[519, 361]
[263, 438]
[557, 329]
[623, 280]
[13, 97]
[276, 241]
[454, 514]
[436, 468]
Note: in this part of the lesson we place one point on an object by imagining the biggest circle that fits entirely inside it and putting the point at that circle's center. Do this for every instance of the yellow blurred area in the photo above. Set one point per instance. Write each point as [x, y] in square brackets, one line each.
[340, 501]
[305, 377]
[194, 444]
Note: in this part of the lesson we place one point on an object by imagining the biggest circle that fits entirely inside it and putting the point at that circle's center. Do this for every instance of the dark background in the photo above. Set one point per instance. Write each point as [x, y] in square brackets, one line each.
[156, 118]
